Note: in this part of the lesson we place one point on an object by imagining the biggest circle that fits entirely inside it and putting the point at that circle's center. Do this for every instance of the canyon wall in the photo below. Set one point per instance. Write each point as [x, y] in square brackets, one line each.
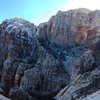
[58, 59]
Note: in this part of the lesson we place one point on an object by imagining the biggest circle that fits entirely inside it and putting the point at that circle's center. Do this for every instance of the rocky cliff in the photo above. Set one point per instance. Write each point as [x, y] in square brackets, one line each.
[58, 59]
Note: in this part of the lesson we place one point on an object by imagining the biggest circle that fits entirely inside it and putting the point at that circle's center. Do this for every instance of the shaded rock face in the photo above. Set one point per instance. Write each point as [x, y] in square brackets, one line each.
[82, 86]
[93, 96]
[36, 62]
[27, 69]
[16, 41]
[47, 77]
[20, 94]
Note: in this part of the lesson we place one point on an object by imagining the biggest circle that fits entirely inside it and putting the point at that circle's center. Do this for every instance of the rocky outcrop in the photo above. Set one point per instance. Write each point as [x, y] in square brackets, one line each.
[82, 86]
[28, 70]
[80, 25]
[47, 77]
[37, 62]
[93, 96]
[16, 40]
[19, 94]
[85, 77]
[84, 63]
[3, 97]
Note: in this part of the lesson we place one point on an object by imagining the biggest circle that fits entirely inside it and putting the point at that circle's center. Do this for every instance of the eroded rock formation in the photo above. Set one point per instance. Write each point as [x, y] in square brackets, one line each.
[36, 62]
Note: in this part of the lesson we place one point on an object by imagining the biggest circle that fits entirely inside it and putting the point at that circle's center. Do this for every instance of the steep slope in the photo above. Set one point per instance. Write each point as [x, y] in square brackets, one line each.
[94, 96]
[80, 25]
[27, 69]
[3, 98]
[36, 62]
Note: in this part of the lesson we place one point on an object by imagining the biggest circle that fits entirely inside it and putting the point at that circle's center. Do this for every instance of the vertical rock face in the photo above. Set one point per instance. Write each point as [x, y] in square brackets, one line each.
[27, 69]
[16, 41]
[47, 76]
[80, 25]
[36, 62]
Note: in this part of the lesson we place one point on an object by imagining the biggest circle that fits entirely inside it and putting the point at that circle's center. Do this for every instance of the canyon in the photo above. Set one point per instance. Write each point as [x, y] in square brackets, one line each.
[57, 60]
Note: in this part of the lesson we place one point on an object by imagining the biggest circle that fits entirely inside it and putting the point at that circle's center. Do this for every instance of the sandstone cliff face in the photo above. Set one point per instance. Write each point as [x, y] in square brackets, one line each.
[27, 69]
[85, 78]
[79, 25]
[36, 62]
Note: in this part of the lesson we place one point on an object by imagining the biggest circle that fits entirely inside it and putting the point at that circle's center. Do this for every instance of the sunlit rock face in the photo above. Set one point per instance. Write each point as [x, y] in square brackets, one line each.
[77, 31]
[37, 62]
[80, 25]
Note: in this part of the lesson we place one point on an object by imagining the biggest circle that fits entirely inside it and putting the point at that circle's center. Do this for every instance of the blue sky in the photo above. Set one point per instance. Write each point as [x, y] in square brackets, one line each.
[38, 11]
